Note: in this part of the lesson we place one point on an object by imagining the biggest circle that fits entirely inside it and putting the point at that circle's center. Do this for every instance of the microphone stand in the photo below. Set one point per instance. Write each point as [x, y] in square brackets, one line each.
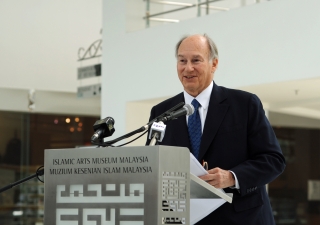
[37, 174]
[141, 129]
[154, 139]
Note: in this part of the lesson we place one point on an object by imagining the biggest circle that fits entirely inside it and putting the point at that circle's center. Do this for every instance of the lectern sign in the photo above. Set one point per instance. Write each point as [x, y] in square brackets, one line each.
[117, 186]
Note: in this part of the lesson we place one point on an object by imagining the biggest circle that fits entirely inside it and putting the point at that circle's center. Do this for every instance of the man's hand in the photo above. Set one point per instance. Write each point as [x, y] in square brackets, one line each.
[219, 178]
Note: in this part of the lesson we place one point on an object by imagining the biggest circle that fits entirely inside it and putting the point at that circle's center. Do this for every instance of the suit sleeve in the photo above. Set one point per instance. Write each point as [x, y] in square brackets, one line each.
[265, 160]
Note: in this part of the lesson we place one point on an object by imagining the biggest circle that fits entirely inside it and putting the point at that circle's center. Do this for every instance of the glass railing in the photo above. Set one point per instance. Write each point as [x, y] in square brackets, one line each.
[175, 11]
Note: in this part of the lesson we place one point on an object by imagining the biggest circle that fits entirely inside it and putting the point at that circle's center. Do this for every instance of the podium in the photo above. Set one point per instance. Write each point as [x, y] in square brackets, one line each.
[121, 186]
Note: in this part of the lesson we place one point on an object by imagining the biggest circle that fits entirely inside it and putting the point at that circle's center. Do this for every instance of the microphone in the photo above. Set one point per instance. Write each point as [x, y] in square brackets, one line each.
[103, 128]
[157, 130]
[143, 128]
[187, 109]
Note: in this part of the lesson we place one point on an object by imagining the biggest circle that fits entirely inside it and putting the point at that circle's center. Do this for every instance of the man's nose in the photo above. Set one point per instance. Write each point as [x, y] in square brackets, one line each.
[189, 66]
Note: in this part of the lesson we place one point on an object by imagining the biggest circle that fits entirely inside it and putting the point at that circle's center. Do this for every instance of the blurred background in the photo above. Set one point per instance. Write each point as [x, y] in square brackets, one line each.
[66, 64]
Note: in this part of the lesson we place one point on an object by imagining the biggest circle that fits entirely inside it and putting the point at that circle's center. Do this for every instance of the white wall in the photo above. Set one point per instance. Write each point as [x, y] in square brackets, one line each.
[48, 102]
[40, 41]
[262, 43]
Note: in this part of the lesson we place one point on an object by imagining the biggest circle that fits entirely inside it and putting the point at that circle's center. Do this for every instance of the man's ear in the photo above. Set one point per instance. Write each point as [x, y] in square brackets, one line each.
[214, 65]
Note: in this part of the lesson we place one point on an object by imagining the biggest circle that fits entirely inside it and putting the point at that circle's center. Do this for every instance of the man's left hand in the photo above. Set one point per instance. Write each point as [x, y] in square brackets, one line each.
[219, 178]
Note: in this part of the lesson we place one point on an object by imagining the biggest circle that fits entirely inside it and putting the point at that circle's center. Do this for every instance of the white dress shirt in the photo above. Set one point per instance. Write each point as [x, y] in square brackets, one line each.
[204, 98]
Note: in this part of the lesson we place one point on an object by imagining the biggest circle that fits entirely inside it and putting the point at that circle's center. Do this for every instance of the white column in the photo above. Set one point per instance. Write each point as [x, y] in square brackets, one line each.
[113, 25]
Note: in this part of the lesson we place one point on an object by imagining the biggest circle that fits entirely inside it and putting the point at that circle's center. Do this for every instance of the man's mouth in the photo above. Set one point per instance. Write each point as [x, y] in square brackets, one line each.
[189, 77]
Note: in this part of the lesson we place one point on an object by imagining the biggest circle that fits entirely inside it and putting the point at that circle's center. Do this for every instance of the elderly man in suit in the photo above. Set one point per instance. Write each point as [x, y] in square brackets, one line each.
[229, 131]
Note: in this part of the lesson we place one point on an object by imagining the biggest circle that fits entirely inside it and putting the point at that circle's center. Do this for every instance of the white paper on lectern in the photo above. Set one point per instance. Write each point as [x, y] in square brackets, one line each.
[200, 208]
[195, 167]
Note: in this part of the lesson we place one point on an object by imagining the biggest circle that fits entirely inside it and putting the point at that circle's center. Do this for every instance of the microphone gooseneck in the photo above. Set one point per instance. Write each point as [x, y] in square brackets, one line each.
[187, 109]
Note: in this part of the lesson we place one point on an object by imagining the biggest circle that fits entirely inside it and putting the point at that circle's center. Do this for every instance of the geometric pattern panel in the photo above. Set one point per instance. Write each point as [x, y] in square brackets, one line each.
[105, 204]
[174, 197]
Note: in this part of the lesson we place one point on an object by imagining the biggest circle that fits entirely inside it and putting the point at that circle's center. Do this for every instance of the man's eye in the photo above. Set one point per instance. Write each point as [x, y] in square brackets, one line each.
[182, 60]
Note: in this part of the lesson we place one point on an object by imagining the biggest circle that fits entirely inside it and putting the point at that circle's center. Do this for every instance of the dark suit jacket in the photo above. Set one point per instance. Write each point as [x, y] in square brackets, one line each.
[236, 136]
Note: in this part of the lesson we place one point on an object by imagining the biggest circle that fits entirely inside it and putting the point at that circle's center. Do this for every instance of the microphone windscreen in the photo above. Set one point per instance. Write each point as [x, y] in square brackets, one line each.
[189, 108]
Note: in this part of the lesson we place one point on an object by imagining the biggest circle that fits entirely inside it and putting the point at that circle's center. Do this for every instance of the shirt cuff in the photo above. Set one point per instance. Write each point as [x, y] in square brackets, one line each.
[236, 185]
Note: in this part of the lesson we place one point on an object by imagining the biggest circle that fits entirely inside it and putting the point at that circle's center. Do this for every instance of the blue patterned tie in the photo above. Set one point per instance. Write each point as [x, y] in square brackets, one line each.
[194, 128]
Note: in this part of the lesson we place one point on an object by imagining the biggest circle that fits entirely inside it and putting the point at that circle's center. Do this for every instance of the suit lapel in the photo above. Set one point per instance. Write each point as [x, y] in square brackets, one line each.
[216, 113]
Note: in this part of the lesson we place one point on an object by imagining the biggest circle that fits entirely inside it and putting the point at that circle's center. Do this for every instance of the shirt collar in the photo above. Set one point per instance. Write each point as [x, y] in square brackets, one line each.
[203, 98]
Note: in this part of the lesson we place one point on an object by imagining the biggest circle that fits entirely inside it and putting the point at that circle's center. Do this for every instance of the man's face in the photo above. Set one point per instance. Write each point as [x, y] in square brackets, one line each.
[194, 69]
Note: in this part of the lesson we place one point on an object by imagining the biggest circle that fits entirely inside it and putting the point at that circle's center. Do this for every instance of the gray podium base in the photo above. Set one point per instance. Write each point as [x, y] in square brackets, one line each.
[121, 186]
